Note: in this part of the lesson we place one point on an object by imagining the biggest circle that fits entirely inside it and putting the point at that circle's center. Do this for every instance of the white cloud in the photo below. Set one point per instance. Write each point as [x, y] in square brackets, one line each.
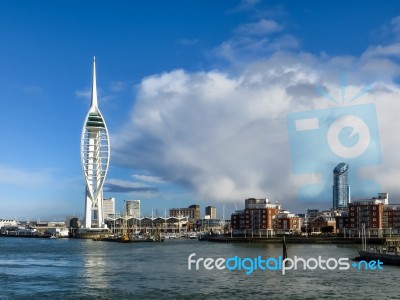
[118, 86]
[395, 23]
[256, 40]
[147, 178]
[124, 183]
[245, 5]
[262, 27]
[223, 134]
[382, 51]
[87, 93]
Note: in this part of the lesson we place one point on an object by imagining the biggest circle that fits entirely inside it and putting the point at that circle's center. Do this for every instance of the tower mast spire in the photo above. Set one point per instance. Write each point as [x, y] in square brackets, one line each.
[94, 87]
[95, 157]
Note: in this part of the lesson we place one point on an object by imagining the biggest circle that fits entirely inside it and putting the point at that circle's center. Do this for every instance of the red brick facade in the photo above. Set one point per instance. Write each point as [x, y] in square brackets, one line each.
[261, 218]
[287, 224]
[368, 213]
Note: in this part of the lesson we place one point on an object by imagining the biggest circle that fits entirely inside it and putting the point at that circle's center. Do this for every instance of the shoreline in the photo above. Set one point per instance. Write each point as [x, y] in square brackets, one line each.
[302, 240]
[260, 240]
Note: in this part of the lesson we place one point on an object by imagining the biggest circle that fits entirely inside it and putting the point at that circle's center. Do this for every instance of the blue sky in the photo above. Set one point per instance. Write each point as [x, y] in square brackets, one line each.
[195, 95]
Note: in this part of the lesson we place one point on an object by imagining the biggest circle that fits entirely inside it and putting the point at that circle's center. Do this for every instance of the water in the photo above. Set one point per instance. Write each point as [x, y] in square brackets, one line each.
[84, 269]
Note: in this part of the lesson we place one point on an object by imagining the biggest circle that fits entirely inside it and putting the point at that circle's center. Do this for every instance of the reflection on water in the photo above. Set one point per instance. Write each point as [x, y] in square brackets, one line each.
[70, 269]
[95, 265]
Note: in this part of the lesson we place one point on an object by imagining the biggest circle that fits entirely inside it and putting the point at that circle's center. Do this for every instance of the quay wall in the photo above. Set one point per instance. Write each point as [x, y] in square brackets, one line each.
[302, 240]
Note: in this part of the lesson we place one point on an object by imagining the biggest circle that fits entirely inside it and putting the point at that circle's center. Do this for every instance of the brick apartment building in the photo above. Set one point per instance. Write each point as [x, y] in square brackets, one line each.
[256, 219]
[285, 222]
[370, 213]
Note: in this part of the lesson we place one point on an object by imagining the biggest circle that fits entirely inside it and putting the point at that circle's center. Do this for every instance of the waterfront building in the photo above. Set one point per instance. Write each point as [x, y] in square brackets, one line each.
[95, 156]
[391, 219]
[368, 213]
[256, 218]
[192, 212]
[7, 222]
[324, 222]
[132, 208]
[342, 224]
[108, 208]
[74, 223]
[378, 216]
[8, 225]
[211, 211]
[238, 222]
[312, 213]
[286, 222]
[148, 224]
[215, 226]
[341, 187]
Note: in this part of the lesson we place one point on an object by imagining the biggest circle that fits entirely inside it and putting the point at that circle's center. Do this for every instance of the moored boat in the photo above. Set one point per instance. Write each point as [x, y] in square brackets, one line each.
[389, 255]
[193, 236]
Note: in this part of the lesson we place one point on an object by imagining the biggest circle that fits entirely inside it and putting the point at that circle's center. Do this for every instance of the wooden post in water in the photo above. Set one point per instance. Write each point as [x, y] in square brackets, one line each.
[284, 248]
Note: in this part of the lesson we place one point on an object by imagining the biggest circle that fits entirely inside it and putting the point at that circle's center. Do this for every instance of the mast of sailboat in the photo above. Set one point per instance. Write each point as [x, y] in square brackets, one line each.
[165, 220]
[363, 238]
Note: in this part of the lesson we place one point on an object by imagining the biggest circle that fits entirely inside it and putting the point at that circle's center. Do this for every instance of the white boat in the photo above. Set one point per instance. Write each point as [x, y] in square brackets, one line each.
[193, 236]
[171, 236]
[63, 232]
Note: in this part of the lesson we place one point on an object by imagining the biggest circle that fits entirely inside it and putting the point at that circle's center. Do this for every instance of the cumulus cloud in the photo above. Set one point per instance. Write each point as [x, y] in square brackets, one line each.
[223, 134]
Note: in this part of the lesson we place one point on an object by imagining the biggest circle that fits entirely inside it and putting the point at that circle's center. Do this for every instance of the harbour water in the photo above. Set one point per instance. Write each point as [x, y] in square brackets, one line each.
[85, 269]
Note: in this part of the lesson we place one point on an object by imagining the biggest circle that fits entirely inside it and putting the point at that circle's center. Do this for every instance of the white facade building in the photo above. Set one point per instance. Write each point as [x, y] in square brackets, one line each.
[132, 208]
[108, 208]
[4, 222]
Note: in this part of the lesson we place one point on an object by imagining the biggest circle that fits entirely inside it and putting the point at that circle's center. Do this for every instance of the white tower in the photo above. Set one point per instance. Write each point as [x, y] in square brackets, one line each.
[95, 156]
